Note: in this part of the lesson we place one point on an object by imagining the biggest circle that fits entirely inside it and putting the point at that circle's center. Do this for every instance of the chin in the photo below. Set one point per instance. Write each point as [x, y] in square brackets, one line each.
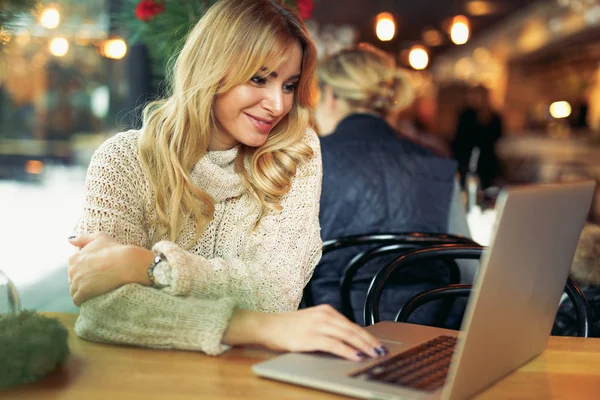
[256, 141]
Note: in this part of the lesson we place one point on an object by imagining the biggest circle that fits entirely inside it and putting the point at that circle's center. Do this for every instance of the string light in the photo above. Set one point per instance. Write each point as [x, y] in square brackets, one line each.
[59, 47]
[418, 57]
[114, 48]
[50, 18]
[481, 55]
[479, 8]
[385, 27]
[432, 37]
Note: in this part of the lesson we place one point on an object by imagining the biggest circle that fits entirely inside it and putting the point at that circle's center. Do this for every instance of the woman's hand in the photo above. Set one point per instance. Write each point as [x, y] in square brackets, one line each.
[102, 264]
[319, 328]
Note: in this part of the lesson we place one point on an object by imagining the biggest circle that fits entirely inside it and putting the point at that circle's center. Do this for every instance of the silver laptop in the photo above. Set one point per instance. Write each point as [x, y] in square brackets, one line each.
[507, 322]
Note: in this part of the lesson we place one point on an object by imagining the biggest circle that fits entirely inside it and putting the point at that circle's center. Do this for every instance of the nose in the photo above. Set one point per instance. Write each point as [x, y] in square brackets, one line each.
[273, 101]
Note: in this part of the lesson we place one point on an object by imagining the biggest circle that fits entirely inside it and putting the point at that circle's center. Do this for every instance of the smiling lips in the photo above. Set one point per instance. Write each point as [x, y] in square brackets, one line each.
[262, 125]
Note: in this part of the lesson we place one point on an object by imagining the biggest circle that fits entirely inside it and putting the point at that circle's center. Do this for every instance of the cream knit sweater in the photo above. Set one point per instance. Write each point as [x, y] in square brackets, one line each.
[231, 265]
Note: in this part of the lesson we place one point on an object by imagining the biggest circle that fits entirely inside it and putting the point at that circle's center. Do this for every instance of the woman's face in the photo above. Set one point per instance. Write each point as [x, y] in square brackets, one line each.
[248, 112]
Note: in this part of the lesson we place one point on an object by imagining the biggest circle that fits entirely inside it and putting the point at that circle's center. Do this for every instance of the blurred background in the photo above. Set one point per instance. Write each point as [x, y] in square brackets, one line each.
[73, 73]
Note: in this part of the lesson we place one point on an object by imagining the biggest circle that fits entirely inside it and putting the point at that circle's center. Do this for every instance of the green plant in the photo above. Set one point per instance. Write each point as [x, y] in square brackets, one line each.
[162, 25]
[10, 13]
[31, 346]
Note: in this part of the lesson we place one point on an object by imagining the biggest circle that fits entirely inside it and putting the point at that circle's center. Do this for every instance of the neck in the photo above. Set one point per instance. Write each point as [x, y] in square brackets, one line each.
[365, 111]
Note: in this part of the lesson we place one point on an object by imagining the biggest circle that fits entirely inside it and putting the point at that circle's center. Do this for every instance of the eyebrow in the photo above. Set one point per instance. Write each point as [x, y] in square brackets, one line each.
[275, 74]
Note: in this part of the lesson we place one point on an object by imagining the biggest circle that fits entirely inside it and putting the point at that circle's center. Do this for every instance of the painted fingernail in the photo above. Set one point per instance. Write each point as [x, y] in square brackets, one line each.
[361, 354]
[380, 351]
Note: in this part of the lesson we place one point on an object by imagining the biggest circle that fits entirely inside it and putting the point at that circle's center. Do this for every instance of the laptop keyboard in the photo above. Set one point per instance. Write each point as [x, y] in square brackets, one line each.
[423, 367]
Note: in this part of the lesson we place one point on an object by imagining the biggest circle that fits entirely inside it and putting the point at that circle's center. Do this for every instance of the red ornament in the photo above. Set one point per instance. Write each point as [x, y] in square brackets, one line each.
[305, 8]
[148, 9]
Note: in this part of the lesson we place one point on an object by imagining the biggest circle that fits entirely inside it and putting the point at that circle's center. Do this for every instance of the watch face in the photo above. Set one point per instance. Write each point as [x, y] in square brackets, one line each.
[162, 273]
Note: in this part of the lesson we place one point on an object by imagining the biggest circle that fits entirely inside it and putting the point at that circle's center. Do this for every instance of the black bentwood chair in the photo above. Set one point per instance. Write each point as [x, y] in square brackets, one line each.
[452, 291]
[386, 243]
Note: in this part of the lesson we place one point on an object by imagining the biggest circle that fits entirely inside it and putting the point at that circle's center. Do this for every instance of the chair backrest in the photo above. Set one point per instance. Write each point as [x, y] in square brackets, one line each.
[423, 238]
[364, 257]
[445, 253]
[454, 290]
[404, 241]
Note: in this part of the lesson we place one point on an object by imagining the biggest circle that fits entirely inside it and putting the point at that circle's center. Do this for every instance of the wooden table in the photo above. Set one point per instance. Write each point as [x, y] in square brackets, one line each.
[568, 369]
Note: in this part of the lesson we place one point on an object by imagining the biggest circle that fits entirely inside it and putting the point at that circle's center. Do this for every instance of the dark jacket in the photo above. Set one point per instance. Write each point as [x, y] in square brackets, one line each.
[373, 181]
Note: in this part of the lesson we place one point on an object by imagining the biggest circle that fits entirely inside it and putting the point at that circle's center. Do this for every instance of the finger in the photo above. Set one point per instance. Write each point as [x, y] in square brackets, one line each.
[76, 299]
[73, 289]
[345, 332]
[82, 241]
[338, 347]
[359, 337]
[349, 331]
[79, 293]
[72, 264]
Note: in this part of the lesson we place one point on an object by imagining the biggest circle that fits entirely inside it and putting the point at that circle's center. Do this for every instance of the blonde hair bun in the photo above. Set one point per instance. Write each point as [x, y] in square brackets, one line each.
[367, 78]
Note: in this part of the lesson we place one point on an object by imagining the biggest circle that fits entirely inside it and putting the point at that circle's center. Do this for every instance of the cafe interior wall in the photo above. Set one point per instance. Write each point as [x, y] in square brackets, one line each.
[506, 59]
[533, 85]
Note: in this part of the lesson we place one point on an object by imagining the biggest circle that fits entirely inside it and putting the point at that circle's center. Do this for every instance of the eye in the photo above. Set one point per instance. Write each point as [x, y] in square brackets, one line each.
[259, 80]
[290, 87]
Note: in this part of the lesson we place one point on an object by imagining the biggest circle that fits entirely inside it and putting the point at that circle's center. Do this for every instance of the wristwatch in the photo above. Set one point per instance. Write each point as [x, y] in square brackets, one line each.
[159, 272]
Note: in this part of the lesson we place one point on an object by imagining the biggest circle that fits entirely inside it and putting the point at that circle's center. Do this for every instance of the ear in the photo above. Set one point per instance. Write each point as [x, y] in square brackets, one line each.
[329, 99]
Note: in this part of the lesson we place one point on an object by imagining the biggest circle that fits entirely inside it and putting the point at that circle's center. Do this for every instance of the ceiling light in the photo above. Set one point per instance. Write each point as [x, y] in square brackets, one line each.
[385, 27]
[459, 30]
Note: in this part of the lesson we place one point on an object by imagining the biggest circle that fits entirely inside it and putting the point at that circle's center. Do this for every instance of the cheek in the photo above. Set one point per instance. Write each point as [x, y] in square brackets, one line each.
[289, 103]
[221, 107]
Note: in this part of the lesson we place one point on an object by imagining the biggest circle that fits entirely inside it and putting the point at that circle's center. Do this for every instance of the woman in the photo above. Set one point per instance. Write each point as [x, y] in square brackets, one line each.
[374, 180]
[222, 184]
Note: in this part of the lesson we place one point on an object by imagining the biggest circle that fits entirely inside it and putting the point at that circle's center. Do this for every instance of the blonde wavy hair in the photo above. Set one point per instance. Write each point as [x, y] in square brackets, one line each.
[232, 42]
[366, 78]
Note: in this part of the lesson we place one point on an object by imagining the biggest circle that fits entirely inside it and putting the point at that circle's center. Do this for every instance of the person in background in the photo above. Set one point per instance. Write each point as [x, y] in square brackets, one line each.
[200, 230]
[374, 180]
[585, 270]
[478, 126]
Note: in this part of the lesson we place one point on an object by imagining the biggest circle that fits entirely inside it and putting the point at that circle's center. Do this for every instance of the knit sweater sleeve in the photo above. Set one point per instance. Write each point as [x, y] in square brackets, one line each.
[134, 314]
[278, 258]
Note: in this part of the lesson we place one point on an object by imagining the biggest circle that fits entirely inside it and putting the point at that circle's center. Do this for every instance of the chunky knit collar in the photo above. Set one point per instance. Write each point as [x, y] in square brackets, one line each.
[215, 174]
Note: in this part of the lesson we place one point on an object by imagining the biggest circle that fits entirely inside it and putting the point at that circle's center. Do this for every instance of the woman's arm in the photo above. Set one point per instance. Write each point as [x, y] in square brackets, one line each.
[277, 260]
[140, 315]
[135, 314]
[143, 316]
